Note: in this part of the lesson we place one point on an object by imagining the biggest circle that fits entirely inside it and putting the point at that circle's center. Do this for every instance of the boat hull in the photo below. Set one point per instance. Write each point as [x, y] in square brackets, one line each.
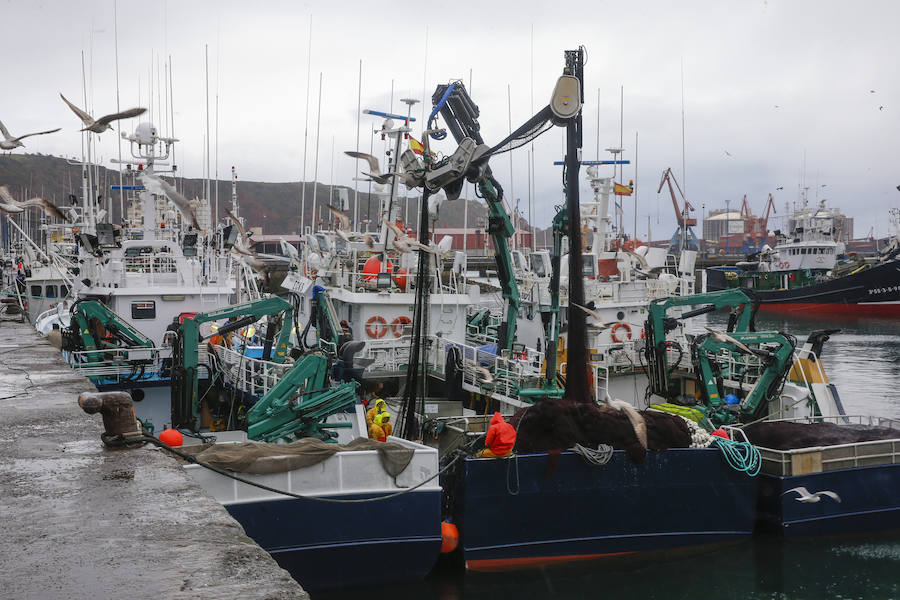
[324, 545]
[873, 292]
[540, 509]
[869, 502]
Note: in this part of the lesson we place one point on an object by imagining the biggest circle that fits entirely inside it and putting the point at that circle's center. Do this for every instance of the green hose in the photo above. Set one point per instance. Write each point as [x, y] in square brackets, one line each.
[741, 456]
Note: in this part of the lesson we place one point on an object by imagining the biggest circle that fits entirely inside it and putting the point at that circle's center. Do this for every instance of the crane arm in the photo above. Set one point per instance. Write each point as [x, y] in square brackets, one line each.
[88, 316]
[658, 324]
[185, 355]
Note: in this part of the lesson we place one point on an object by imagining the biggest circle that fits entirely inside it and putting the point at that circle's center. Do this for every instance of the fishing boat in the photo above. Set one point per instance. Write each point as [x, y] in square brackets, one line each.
[118, 289]
[351, 514]
[809, 270]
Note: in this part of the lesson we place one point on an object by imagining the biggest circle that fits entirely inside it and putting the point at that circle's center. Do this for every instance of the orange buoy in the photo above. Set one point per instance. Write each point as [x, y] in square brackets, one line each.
[373, 266]
[400, 279]
[172, 437]
[449, 537]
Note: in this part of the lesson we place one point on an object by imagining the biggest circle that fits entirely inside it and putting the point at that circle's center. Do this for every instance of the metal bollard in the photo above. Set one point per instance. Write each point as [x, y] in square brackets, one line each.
[119, 421]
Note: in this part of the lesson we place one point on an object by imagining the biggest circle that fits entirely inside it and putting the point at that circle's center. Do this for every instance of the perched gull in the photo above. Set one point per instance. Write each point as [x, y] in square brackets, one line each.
[804, 495]
[9, 142]
[637, 421]
[724, 338]
[103, 123]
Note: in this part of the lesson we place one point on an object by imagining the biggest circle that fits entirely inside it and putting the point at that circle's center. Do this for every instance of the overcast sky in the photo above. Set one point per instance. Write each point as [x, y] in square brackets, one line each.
[765, 84]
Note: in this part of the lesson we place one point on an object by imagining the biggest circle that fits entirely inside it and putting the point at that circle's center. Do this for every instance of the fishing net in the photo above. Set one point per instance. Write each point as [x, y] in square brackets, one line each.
[535, 126]
[262, 458]
[784, 435]
[560, 424]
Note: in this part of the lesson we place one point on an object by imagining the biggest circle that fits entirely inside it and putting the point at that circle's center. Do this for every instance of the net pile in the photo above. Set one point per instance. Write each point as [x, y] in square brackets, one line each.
[560, 424]
[784, 435]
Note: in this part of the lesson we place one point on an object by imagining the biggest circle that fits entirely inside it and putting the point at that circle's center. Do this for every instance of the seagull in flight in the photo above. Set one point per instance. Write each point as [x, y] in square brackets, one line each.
[780, 188]
[803, 495]
[103, 123]
[376, 175]
[9, 142]
[162, 188]
[727, 153]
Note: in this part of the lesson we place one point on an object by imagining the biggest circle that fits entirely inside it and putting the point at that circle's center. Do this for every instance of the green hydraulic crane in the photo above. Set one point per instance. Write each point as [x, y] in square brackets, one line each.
[549, 387]
[93, 326]
[303, 396]
[659, 324]
[185, 356]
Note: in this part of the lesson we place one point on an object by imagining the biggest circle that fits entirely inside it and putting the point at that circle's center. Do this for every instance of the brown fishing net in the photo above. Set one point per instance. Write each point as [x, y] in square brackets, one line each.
[783, 435]
[560, 424]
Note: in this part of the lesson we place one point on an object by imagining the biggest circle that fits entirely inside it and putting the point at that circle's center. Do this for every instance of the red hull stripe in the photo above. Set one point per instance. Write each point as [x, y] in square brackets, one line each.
[860, 310]
[505, 564]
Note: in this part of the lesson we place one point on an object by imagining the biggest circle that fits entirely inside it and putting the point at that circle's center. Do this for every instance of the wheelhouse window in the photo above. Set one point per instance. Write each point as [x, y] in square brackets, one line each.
[143, 309]
[63, 291]
[51, 291]
[37, 291]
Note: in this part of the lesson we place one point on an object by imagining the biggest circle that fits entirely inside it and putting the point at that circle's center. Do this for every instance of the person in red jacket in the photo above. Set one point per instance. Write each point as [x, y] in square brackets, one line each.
[501, 437]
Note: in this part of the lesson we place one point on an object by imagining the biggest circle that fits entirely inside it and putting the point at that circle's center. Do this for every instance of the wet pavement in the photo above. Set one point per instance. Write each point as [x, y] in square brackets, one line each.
[78, 520]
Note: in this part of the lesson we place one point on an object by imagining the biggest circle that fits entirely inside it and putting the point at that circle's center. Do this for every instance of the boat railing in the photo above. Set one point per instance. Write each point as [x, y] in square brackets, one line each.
[626, 356]
[387, 354]
[252, 376]
[814, 459]
[499, 376]
[123, 365]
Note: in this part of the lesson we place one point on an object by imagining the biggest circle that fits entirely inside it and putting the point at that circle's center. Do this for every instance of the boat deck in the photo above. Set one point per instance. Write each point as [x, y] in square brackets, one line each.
[83, 521]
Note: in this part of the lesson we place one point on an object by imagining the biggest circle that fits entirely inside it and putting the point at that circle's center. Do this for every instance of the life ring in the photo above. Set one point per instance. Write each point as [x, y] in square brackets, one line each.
[380, 327]
[399, 324]
[616, 327]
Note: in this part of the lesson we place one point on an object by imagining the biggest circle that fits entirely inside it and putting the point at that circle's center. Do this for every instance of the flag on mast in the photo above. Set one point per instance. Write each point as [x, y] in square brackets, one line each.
[622, 190]
[415, 145]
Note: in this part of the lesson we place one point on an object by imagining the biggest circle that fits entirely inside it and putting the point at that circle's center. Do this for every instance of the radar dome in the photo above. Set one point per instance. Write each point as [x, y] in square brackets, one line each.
[145, 134]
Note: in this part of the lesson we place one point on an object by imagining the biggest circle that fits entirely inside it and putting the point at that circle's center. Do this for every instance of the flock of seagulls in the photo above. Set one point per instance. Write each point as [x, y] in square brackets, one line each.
[8, 204]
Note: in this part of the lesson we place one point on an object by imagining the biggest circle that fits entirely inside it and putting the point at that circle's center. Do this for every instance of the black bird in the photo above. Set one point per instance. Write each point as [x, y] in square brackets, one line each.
[780, 188]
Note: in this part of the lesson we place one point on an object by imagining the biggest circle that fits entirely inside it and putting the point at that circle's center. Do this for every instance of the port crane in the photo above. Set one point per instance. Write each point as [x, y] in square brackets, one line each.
[684, 237]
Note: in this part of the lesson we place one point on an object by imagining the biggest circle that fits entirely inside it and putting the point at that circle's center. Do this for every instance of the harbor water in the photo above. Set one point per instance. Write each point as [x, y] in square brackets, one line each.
[862, 360]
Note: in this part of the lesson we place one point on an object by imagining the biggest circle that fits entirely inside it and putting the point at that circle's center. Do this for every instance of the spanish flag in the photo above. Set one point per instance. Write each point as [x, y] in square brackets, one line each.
[622, 190]
[415, 145]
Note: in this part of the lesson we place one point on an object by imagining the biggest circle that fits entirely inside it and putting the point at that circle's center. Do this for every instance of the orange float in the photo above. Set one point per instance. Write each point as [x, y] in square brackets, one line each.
[373, 266]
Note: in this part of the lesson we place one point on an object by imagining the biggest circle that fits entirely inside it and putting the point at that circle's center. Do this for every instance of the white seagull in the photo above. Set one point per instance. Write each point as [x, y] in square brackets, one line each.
[376, 175]
[103, 123]
[804, 495]
[9, 142]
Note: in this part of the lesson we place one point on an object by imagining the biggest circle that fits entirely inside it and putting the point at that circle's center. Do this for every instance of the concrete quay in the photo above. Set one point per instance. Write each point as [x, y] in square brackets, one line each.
[79, 520]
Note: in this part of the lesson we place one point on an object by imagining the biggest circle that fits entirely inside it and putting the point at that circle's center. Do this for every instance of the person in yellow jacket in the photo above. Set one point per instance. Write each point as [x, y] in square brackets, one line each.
[380, 407]
[381, 428]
